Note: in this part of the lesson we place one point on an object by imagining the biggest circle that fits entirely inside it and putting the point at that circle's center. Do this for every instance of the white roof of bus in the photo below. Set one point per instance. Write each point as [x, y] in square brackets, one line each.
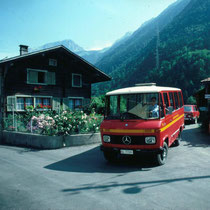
[141, 89]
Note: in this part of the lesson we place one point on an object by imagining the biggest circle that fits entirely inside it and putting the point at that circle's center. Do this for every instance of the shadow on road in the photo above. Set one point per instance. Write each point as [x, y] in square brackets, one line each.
[132, 188]
[93, 161]
[194, 137]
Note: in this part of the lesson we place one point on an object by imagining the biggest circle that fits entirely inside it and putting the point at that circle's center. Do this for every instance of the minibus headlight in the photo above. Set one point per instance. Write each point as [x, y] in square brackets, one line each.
[106, 138]
[150, 140]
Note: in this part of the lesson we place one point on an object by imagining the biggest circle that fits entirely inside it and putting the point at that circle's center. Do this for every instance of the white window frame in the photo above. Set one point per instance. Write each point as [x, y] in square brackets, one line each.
[53, 62]
[33, 98]
[73, 74]
[16, 98]
[37, 70]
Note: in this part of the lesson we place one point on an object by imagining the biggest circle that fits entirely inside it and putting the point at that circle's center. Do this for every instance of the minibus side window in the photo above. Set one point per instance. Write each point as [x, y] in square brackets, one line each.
[161, 107]
[171, 100]
[165, 96]
[180, 99]
[176, 101]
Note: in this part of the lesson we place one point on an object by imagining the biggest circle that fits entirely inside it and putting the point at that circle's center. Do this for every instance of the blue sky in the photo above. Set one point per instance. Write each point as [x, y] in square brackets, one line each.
[92, 24]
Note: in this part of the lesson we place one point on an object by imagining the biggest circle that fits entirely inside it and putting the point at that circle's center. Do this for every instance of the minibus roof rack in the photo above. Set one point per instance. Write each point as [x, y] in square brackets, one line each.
[146, 84]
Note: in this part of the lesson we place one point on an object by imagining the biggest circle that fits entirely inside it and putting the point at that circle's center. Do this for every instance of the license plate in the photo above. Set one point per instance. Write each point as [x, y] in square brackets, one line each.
[126, 152]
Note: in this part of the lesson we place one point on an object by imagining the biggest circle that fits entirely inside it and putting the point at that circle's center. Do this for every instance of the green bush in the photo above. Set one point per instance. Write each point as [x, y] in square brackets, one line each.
[52, 123]
[97, 104]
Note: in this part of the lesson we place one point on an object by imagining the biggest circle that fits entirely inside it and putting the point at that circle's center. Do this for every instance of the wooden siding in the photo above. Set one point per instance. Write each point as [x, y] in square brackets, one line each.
[16, 79]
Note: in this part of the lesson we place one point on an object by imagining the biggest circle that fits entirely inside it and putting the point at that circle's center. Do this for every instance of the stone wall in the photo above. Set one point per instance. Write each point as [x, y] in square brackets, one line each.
[48, 142]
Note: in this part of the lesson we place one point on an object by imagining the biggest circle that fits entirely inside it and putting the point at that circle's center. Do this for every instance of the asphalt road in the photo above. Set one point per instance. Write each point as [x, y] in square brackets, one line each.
[80, 178]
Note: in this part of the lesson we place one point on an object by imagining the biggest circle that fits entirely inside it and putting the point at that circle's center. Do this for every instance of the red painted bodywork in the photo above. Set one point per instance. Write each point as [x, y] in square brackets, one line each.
[192, 115]
[164, 129]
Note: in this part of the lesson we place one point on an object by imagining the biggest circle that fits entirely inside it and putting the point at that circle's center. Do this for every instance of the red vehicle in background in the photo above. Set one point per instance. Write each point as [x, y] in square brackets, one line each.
[191, 113]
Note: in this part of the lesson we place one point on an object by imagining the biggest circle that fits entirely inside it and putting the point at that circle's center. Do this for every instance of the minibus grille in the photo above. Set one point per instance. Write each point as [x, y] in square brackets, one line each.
[135, 140]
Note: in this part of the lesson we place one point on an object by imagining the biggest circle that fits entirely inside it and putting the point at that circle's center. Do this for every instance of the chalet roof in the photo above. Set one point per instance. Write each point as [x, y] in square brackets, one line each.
[104, 77]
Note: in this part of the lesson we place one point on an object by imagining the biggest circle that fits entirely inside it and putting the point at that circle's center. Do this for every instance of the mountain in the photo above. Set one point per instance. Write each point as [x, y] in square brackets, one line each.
[92, 56]
[128, 50]
[183, 51]
[66, 43]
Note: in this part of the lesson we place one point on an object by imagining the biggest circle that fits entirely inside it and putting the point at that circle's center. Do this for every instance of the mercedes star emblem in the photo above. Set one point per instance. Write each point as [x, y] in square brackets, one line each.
[126, 140]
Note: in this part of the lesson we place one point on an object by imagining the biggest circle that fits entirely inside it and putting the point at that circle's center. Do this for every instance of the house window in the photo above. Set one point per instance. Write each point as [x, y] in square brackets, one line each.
[41, 77]
[46, 102]
[23, 102]
[52, 62]
[38, 101]
[76, 80]
[29, 101]
[36, 76]
[75, 104]
[20, 104]
[43, 102]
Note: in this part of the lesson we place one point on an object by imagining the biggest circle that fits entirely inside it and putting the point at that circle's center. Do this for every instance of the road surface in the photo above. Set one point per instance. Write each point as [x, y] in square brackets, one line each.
[80, 178]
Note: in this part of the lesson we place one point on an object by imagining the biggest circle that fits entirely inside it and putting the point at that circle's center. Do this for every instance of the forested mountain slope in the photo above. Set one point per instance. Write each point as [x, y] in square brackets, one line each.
[129, 49]
[184, 54]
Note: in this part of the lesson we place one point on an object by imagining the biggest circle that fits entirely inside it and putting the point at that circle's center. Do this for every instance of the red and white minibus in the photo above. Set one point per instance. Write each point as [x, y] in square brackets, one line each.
[145, 118]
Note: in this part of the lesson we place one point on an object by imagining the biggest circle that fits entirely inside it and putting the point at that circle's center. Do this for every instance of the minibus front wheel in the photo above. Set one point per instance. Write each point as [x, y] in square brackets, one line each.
[162, 156]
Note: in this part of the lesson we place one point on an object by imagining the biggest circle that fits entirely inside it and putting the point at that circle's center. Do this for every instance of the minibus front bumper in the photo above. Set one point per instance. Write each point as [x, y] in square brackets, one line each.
[135, 151]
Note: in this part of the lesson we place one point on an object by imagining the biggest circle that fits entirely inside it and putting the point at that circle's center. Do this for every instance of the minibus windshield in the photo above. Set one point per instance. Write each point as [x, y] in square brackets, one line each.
[132, 106]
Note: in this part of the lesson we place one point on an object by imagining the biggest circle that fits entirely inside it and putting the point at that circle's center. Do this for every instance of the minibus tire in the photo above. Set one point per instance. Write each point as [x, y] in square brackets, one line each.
[161, 157]
[110, 156]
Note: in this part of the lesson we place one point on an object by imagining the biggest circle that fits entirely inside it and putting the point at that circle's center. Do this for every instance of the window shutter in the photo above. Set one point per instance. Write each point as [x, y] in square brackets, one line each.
[32, 76]
[56, 104]
[11, 102]
[65, 103]
[51, 78]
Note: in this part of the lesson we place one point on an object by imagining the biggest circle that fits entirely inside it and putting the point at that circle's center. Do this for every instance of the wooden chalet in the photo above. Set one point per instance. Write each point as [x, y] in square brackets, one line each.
[47, 78]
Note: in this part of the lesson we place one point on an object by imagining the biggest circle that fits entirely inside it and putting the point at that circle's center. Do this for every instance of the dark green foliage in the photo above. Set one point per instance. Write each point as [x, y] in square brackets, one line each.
[98, 104]
[184, 53]
[184, 71]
